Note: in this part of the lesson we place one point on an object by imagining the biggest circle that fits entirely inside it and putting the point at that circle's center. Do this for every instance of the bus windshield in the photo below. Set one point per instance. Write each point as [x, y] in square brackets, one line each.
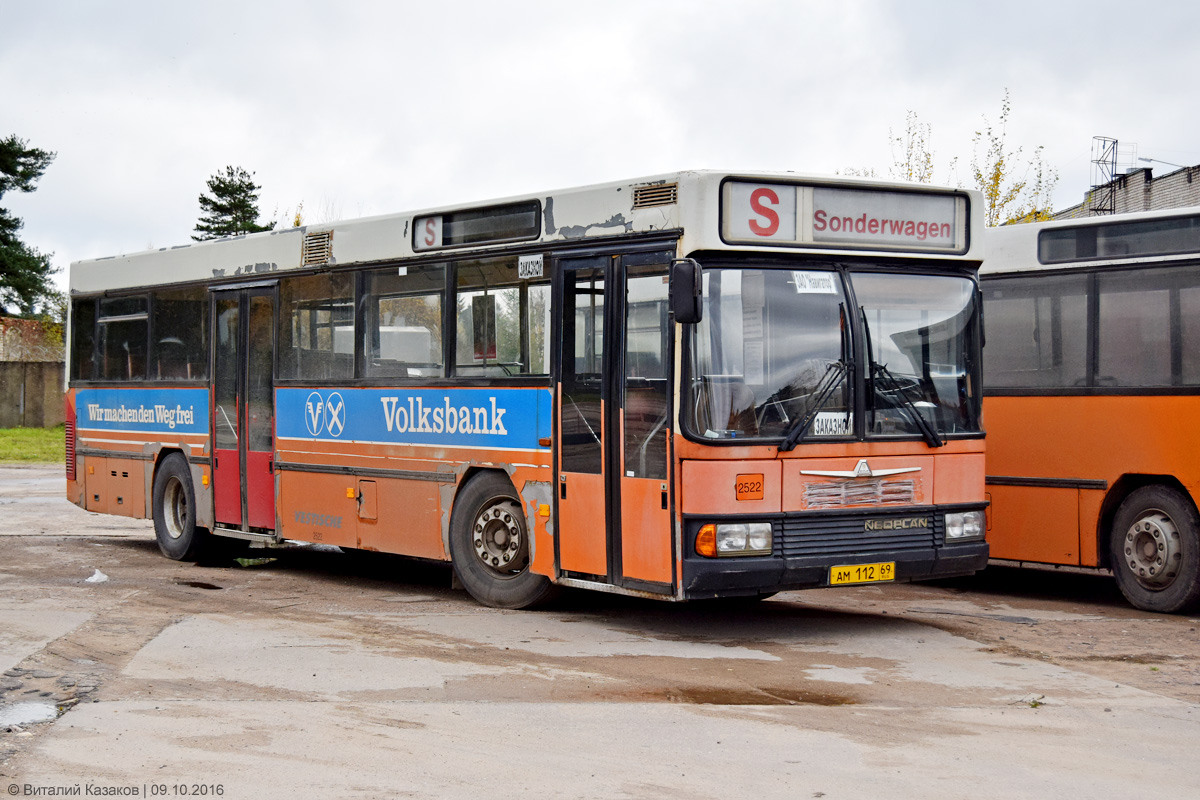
[777, 354]
[921, 338]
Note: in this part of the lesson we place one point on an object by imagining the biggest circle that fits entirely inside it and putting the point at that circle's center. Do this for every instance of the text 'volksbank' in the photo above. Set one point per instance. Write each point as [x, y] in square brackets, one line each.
[415, 417]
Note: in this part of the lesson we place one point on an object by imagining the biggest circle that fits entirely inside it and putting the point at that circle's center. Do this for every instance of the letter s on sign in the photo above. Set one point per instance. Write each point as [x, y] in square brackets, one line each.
[756, 202]
[430, 232]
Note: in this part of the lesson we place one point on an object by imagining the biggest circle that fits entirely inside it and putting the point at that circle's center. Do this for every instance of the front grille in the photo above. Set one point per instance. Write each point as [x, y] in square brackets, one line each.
[845, 535]
[876, 492]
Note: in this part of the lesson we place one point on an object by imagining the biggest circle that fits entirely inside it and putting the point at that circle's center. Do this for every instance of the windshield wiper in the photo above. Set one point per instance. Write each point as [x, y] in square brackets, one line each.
[835, 373]
[906, 406]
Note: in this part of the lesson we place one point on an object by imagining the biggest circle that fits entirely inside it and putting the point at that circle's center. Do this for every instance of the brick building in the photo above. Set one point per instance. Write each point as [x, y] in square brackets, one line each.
[1139, 190]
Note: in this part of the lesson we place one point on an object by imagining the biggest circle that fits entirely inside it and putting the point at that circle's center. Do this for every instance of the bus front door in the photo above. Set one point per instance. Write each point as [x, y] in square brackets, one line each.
[243, 409]
[614, 522]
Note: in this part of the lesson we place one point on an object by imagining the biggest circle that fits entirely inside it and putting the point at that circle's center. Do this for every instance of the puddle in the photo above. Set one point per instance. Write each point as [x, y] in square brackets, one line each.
[28, 713]
[199, 585]
[760, 697]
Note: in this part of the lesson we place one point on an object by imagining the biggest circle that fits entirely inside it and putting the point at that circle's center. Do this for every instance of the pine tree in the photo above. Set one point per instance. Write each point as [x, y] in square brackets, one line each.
[231, 206]
[24, 272]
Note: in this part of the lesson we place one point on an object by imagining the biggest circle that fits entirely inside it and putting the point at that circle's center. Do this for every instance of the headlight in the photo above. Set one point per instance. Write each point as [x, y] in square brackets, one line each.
[734, 539]
[963, 526]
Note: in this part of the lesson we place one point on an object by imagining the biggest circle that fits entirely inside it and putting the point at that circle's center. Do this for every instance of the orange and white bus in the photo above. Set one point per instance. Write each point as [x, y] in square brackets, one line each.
[694, 385]
[1093, 391]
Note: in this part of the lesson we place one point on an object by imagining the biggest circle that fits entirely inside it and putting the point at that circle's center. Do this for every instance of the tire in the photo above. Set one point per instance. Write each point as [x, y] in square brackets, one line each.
[1155, 550]
[490, 547]
[174, 511]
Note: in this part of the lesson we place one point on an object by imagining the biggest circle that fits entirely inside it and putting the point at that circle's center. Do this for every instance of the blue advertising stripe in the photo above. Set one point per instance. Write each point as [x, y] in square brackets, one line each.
[513, 418]
[142, 410]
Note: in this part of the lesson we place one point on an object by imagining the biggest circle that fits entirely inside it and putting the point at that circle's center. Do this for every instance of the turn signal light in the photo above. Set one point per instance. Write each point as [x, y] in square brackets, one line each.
[706, 541]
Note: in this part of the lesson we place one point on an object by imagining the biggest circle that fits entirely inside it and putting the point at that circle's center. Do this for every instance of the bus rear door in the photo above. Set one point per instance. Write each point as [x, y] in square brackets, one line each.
[243, 411]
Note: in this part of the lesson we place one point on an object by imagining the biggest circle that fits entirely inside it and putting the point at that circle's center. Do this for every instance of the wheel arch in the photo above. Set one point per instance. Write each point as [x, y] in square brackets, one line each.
[502, 583]
[451, 493]
[161, 456]
[200, 490]
[1124, 486]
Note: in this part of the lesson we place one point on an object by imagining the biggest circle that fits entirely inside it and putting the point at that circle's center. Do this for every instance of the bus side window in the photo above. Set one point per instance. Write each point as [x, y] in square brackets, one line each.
[122, 335]
[1037, 331]
[83, 339]
[316, 327]
[180, 326]
[1141, 328]
[502, 320]
[402, 322]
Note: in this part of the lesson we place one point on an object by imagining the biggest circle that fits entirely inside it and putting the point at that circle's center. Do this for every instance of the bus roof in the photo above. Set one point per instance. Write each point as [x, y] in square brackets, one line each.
[1022, 247]
[686, 203]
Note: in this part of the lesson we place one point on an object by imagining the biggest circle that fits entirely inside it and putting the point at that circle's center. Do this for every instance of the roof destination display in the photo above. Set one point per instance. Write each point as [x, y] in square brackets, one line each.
[783, 214]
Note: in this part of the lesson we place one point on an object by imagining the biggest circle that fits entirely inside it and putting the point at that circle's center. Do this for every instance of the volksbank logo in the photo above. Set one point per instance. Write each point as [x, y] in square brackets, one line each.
[492, 417]
[414, 416]
[325, 413]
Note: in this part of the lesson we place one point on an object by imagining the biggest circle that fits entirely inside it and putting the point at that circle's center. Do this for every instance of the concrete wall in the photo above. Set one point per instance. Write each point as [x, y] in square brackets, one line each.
[31, 394]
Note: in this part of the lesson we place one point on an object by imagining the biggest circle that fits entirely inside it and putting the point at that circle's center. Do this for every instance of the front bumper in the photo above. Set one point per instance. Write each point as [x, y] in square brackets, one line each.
[807, 546]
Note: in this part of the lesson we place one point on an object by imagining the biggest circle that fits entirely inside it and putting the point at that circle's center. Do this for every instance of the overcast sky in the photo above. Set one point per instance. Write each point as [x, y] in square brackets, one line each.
[360, 108]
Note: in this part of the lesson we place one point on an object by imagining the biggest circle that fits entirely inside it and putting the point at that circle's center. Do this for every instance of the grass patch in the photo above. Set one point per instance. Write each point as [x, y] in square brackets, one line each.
[33, 445]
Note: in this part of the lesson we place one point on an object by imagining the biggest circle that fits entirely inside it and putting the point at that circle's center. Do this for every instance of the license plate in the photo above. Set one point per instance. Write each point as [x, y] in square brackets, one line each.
[862, 573]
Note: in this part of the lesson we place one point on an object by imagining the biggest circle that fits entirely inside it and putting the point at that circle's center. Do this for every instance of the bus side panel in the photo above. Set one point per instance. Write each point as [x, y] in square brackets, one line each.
[127, 487]
[1090, 503]
[1077, 438]
[537, 497]
[408, 519]
[115, 486]
[1092, 438]
[1035, 523]
[95, 483]
[319, 508]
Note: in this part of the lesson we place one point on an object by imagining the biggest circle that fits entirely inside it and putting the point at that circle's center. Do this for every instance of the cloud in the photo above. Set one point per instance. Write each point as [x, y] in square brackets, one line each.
[372, 107]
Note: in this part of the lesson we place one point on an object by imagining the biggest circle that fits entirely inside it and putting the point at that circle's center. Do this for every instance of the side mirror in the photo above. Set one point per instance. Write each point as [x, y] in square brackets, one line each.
[687, 290]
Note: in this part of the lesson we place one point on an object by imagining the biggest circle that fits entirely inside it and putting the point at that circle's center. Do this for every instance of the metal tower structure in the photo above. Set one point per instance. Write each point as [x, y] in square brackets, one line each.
[1109, 162]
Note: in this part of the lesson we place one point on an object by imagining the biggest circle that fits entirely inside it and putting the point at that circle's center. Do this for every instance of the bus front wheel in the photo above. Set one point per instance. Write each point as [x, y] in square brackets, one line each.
[1155, 549]
[490, 547]
[175, 511]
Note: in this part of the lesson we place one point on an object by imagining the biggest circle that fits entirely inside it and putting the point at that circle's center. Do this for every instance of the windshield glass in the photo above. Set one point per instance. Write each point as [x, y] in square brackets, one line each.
[922, 339]
[771, 349]
[775, 355]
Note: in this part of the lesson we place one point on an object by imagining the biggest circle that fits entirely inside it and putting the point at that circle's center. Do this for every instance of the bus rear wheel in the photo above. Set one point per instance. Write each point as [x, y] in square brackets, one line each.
[490, 547]
[175, 511]
[1155, 550]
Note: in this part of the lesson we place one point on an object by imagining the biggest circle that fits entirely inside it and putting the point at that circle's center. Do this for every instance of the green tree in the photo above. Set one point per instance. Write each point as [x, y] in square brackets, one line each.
[24, 272]
[1013, 190]
[231, 206]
